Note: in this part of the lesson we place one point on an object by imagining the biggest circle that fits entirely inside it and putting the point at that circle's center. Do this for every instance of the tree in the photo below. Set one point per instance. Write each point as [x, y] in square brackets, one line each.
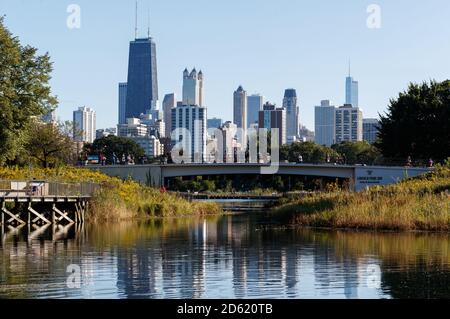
[24, 92]
[357, 152]
[119, 146]
[309, 151]
[49, 145]
[417, 123]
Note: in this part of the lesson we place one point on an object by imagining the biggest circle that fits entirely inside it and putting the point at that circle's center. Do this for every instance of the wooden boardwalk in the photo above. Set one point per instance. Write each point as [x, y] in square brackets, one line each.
[40, 210]
[43, 203]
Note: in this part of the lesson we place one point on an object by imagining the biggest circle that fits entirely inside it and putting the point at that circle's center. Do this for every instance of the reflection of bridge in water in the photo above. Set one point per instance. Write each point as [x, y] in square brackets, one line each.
[360, 177]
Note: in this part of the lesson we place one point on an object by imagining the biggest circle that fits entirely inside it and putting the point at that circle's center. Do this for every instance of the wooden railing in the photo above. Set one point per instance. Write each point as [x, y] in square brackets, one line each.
[37, 188]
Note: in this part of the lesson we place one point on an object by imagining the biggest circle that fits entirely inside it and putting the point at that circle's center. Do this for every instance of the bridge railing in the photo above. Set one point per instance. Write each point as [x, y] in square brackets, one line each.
[46, 189]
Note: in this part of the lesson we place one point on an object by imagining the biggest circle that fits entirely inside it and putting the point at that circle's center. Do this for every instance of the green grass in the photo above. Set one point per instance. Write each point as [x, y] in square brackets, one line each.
[416, 204]
[117, 200]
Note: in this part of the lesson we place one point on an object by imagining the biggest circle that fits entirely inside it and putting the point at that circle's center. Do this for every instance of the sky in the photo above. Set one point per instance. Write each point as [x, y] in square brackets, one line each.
[265, 46]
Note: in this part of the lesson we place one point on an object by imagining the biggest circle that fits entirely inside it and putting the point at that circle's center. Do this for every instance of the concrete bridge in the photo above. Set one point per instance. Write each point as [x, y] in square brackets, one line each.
[360, 177]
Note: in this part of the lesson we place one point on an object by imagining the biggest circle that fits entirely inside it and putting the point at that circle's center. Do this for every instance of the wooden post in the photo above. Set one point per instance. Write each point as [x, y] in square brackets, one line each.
[3, 216]
[53, 215]
[2, 226]
[76, 213]
[2, 232]
[83, 211]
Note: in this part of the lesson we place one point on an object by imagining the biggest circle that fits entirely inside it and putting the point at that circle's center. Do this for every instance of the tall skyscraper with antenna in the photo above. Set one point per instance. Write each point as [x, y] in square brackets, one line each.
[142, 88]
[351, 89]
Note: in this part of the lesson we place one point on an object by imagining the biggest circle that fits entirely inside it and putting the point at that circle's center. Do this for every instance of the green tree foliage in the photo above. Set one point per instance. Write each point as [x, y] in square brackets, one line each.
[357, 152]
[49, 145]
[417, 123]
[119, 146]
[24, 91]
[309, 151]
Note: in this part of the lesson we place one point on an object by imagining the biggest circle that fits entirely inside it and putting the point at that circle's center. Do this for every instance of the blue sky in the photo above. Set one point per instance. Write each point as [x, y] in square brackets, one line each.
[266, 46]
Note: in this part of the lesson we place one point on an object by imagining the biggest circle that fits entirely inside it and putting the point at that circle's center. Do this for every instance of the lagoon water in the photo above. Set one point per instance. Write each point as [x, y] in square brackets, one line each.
[235, 256]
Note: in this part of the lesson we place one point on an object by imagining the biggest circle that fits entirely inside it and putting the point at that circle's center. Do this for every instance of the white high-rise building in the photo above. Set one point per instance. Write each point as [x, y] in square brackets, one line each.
[325, 123]
[349, 124]
[255, 104]
[229, 131]
[189, 134]
[193, 88]
[290, 103]
[122, 102]
[240, 108]
[189, 121]
[84, 121]
[133, 128]
[169, 102]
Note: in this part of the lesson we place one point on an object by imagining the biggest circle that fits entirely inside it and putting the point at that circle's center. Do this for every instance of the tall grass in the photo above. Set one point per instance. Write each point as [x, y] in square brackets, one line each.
[116, 199]
[416, 204]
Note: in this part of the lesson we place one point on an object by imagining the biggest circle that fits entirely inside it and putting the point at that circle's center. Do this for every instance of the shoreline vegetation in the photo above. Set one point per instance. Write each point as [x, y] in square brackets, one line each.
[116, 200]
[416, 204]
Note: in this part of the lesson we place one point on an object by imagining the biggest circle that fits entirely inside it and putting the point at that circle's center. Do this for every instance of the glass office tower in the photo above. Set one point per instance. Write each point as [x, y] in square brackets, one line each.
[351, 92]
[142, 88]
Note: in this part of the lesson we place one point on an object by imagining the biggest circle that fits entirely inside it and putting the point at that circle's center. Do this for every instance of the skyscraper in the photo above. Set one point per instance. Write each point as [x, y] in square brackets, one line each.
[189, 120]
[189, 123]
[325, 123]
[122, 102]
[192, 87]
[292, 112]
[214, 123]
[84, 121]
[229, 131]
[371, 129]
[169, 102]
[351, 91]
[142, 88]
[272, 117]
[254, 105]
[349, 124]
[49, 118]
[200, 85]
[240, 108]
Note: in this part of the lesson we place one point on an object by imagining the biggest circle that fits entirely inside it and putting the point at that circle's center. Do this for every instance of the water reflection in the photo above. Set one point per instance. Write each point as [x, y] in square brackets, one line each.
[222, 257]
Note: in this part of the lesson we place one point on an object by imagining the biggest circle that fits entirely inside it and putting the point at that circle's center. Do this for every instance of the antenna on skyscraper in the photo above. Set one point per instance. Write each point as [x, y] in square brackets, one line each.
[349, 67]
[148, 22]
[136, 22]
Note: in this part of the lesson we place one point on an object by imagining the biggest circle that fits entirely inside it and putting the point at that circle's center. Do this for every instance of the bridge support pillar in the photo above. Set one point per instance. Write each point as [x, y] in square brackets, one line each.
[39, 216]
[61, 215]
[12, 218]
[2, 221]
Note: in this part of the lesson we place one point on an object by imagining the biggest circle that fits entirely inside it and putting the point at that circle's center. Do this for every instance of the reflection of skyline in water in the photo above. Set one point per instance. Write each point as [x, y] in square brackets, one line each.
[228, 257]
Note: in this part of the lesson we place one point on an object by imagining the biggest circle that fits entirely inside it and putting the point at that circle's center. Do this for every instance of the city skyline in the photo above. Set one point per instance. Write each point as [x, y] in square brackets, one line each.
[308, 67]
